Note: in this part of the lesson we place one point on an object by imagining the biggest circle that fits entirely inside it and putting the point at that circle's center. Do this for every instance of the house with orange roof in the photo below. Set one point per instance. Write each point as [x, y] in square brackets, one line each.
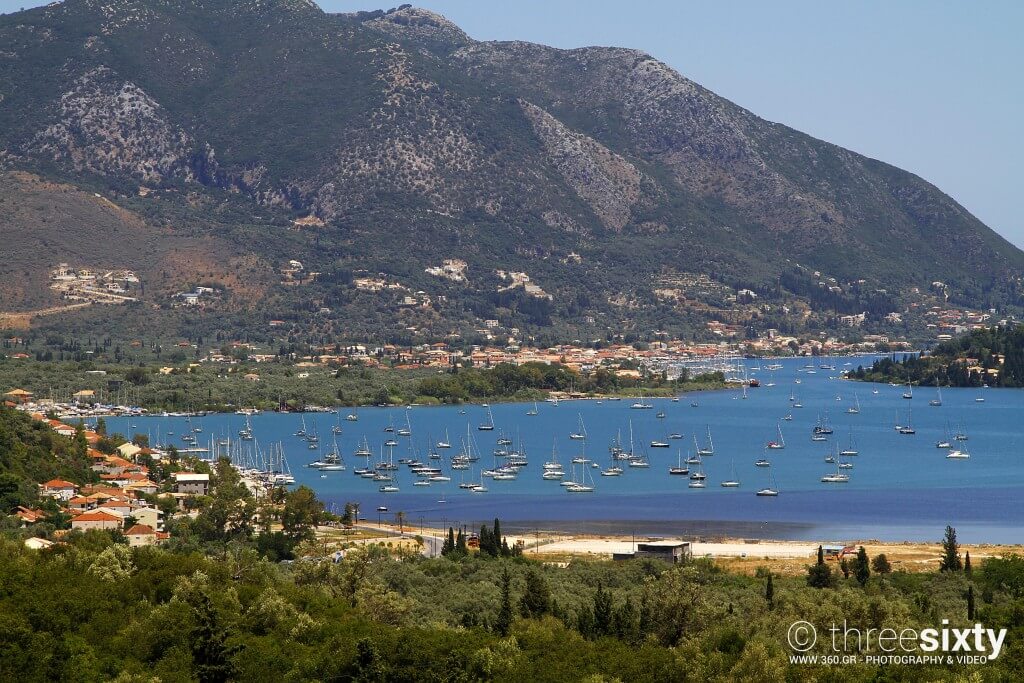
[61, 428]
[18, 396]
[29, 516]
[81, 504]
[58, 488]
[96, 520]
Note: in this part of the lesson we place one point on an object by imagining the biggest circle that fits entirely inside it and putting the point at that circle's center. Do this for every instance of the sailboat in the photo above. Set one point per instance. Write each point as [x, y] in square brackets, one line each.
[709, 449]
[533, 411]
[246, 432]
[656, 443]
[302, 430]
[697, 478]
[937, 401]
[352, 417]
[777, 445]
[581, 486]
[489, 425]
[855, 408]
[837, 477]
[849, 450]
[732, 482]
[613, 469]
[771, 490]
[944, 442]
[333, 461]
[907, 428]
[641, 405]
[909, 393]
[446, 443]
[822, 426]
[581, 434]
[957, 454]
[407, 430]
[679, 468]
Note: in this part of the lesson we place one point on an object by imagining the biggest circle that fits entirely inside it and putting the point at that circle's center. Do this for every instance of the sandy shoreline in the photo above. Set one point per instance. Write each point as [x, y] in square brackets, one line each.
[736, 554]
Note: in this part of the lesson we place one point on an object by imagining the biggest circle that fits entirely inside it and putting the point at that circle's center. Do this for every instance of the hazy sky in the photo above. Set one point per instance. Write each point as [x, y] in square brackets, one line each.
[934, 87]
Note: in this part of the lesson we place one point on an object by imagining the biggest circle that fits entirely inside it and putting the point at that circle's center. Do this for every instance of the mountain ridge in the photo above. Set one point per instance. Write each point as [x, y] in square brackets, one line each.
[600, 168]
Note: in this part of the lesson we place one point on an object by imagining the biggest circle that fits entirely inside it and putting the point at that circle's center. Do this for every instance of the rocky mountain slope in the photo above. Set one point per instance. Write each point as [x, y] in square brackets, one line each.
[597, 171]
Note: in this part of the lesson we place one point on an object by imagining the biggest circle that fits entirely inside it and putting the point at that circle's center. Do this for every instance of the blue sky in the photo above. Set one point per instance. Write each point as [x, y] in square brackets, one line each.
[934, 87]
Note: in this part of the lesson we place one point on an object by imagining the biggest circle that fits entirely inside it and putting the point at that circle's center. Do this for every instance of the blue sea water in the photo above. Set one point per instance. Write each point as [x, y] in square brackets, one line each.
[901, 486]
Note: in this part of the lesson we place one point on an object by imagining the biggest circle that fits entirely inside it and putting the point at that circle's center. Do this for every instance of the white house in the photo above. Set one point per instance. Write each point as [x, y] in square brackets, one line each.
[192, 483]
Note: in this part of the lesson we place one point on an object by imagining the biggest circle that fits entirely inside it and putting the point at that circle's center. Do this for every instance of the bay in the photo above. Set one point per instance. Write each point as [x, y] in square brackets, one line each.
[901, 486]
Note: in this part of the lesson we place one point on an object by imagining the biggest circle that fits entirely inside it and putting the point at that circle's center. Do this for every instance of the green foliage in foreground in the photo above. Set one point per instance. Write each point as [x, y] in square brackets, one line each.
[95, 610]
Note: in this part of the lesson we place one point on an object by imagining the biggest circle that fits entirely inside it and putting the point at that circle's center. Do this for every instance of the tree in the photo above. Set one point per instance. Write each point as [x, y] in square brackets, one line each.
[950, 552]
[602, 611]
[967, 563]
[861, 567]
[819, 575]
[211, 656]
[769, 591]
[448, 547]
[970, 603]
[302, 511]
[10, 492]
[400, 521]
[536, 600]
[625, 622]
[881, 565]
[504, 621]
[844, 567]
[368, 664]
[460, 545]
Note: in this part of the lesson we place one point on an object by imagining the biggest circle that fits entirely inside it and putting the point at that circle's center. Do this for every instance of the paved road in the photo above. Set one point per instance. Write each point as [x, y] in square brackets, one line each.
[431, 544]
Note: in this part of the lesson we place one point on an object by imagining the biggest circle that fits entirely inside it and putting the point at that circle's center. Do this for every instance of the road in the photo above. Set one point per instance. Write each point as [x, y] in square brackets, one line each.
[431, 544]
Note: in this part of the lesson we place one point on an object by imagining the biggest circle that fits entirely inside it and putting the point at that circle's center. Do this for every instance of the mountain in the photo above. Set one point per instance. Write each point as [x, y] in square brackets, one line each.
[213, 141]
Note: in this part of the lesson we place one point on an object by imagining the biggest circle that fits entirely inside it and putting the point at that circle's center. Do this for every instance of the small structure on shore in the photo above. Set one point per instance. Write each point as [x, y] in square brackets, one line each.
[672, 552]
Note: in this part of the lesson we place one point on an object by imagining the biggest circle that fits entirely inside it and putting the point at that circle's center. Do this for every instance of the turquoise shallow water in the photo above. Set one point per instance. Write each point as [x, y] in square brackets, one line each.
[901, 486]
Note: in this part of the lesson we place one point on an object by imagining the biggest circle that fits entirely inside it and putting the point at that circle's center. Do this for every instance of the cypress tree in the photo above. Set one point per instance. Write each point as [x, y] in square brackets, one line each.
[769, 592]
[602, 611]
[460, 545]
[536, 600]
[819, 575]
[967, 563]
[950, 552]
[211, 656]
[862, 568]
[504, 621]
[449, 546]
[970, 603]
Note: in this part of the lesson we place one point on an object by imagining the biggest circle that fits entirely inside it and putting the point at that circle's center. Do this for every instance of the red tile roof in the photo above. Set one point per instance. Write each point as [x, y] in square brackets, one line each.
[96, 517]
